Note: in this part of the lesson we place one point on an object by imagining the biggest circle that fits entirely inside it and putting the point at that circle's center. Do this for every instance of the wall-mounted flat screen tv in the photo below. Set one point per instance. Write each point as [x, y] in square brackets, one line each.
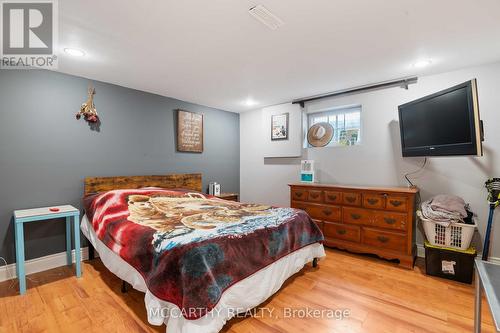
[443, 124]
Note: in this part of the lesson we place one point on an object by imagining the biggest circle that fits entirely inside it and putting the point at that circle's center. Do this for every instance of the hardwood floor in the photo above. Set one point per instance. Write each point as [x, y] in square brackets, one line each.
[380, 296]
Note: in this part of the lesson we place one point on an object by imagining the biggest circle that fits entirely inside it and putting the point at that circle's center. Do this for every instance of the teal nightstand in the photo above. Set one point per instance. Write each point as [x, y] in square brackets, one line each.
[40, 214]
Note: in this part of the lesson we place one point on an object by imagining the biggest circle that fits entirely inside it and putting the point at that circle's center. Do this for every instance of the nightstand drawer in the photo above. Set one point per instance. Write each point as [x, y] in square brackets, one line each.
[228, 196]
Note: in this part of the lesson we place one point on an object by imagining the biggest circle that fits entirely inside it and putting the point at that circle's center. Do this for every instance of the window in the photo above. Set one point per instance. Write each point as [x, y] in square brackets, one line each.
[346, 122]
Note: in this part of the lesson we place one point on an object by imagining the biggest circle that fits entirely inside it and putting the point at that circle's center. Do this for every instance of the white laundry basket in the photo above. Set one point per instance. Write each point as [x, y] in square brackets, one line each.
[456, 235]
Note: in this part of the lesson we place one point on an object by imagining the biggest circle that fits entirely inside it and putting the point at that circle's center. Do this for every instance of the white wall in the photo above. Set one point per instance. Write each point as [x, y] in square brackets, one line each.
[378, 161]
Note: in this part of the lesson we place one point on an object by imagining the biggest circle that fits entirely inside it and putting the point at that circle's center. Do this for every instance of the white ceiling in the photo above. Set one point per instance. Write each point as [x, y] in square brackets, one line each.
[214, 53]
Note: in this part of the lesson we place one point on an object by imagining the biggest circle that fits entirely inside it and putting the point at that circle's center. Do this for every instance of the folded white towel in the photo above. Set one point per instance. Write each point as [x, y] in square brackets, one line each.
[444, 209]
[449, 204]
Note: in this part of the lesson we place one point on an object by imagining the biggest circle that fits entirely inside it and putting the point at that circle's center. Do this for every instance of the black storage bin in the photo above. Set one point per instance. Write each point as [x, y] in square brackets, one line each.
[450, 264]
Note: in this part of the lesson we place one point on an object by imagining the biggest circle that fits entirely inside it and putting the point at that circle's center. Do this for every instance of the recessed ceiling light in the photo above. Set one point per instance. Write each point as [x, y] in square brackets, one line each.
[74, 52]
[422, 63]
[250, 102]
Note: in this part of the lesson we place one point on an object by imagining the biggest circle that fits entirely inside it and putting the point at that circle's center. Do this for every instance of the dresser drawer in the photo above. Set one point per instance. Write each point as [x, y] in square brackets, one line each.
[315, 196]
[333, 197]
[349, 233]
[320, 212]
[319, 223]
[390, 220]
[357, 216]
[397, 203]
[325, 212]
[299, 205]
[299, 194]
[384, 239]
[375, 201]
[351, 198]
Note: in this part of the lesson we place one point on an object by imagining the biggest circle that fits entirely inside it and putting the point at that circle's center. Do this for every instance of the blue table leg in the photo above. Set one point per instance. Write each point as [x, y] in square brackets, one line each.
[76, 220]
[21, 275]
[15, 238]
[69, 258]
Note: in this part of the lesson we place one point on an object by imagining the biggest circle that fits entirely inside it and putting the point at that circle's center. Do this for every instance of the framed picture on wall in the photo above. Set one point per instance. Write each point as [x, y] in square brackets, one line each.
[189, 131]
[279, 127]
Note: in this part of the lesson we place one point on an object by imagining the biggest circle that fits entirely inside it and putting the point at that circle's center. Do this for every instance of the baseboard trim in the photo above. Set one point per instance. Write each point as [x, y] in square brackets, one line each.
[41, 264]
[420, 251]
[59, 259]
[421, 254]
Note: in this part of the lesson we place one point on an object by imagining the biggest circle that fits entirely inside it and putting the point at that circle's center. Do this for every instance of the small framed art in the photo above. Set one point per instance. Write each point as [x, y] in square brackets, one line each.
[279, 127]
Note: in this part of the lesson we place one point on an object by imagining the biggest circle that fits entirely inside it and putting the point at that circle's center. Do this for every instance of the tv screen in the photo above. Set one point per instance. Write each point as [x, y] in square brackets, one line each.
[445, 123]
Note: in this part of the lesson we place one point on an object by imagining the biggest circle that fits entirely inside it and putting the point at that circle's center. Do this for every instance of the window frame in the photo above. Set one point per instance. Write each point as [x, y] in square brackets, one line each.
[329, 112]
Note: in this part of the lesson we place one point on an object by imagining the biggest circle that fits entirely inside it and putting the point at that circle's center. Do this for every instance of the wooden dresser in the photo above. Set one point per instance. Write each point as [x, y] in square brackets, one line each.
[373, 220]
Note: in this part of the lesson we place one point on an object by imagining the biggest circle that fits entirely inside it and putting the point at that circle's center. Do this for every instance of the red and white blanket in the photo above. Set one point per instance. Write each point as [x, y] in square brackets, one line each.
[191, 247]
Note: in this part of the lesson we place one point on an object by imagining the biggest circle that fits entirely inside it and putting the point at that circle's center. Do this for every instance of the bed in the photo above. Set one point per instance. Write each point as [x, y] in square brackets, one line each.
[200, 260]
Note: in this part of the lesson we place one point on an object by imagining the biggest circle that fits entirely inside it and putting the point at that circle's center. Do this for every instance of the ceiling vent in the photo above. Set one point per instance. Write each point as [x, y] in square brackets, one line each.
[262, 14]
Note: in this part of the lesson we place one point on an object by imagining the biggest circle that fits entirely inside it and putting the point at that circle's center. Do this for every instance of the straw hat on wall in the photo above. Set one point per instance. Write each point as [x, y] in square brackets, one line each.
[320, 134]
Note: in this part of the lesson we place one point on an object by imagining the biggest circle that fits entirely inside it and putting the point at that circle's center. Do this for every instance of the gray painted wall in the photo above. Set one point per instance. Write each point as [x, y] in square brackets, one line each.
[45, 153]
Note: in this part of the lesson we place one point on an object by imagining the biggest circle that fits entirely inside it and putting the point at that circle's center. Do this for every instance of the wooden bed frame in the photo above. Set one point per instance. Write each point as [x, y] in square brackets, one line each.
[101, 184]
[186, 181]
[191, 181]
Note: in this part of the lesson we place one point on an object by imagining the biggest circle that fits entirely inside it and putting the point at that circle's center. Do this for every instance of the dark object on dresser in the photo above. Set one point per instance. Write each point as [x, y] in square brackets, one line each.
[379, 221]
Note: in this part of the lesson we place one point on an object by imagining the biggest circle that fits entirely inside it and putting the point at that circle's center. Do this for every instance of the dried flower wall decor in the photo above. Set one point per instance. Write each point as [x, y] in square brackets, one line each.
[87, 110]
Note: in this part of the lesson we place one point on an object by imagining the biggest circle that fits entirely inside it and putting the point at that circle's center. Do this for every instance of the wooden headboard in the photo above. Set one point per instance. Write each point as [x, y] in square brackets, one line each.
[102, 184]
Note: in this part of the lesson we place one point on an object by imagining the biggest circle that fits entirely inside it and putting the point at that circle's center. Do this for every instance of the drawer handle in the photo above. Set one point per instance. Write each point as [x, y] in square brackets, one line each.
[332, 197]
[356, 216]
[396, 203]
[298, 194]
[389, 220]
[341, 231]
[314, 195]
[372, 201]
[350, 199]
[327, 212]
[383, 239]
